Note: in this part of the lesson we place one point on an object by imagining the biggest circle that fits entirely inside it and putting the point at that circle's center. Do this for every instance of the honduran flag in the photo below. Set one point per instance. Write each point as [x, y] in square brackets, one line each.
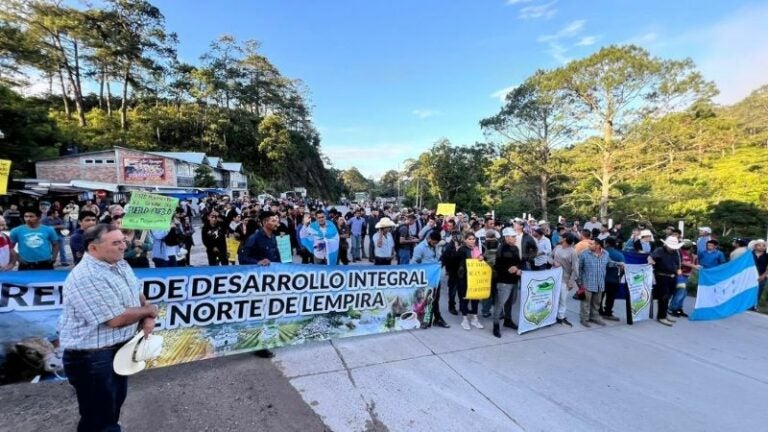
[322, 241]
[727, 289]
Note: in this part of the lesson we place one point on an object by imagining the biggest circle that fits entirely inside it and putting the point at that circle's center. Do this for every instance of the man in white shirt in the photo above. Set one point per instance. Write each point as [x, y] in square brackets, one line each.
[592, 224]
[544, 253]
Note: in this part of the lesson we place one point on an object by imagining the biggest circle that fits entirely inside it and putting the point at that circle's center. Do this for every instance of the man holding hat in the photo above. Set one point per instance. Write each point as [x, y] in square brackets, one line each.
[102, 310]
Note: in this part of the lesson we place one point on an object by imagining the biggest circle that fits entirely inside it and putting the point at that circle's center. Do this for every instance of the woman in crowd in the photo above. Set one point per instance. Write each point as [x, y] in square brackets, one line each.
[343, 228]
[139, 243]
[458, 254]
[214, 236]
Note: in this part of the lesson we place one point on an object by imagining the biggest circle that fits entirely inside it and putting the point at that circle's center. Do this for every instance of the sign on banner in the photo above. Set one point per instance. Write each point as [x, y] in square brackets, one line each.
[149, 211]
[478, 280]
[143, 169]
[539, 298]
[5, 172]
[640, 286]
[446, 209]
[284, 248]
[207, 312]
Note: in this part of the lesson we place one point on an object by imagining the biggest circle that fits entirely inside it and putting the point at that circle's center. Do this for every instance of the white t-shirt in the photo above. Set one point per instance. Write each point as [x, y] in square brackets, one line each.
[592, 225]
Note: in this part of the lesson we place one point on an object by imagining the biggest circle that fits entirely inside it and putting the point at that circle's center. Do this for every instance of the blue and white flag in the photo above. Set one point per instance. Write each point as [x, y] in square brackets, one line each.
[323, 242]
[727, 289]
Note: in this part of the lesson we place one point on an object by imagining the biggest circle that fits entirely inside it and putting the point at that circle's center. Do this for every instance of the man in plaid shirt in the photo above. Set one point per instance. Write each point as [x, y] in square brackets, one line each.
[103, 309]
[593, 265]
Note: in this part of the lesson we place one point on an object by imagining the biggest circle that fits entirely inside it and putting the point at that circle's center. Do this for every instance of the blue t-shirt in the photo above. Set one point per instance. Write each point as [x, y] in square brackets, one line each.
[35, 244]
[709, 259]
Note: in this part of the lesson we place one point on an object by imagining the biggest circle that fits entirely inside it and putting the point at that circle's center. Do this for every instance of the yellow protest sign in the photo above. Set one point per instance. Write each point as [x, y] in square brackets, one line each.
[5, 172]
[232, 246]
[478, 280]
[446, 209]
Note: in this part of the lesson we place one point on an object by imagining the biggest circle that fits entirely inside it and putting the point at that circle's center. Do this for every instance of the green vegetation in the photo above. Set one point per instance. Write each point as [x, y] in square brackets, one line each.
[619, 134]
[114, 79]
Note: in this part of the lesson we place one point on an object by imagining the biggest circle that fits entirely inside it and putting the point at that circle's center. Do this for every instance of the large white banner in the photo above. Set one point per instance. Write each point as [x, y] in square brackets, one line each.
[640, 286]
[539, 298]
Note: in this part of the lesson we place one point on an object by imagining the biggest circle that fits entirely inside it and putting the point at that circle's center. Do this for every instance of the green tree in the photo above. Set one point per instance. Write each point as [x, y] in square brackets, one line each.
[204, 177]
[618, 86]
[535, 120]
[355, 181]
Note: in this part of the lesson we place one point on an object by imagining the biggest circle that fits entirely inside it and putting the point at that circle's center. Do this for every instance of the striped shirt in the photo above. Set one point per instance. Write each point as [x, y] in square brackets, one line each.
[592, 270]
[94, 293]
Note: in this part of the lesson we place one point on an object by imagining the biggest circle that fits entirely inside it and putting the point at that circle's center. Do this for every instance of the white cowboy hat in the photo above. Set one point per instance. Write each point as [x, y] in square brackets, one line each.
[707, 230]
[133, 356]
[646, 233]
[751, 245]
[509, 232]
[385, 222]
[672, 242]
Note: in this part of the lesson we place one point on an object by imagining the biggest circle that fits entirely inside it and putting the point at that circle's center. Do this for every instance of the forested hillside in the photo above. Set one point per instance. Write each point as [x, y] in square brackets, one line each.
[113, 77]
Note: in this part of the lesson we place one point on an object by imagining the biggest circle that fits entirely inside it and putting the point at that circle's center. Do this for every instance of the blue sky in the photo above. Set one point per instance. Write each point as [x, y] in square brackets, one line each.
[387, 79]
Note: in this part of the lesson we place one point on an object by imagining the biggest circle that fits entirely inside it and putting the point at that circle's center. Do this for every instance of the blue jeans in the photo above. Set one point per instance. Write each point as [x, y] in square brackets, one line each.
[357, 247]
[403, 256]
[678, 297]
[370, 247]
[100, 391]
[62, 250]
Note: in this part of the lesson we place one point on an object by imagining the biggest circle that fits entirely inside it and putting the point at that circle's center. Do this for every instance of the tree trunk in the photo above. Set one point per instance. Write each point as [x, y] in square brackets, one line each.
[64, 96]
[544, 195]
[109, 100]
[605, 170]
[102, 78]
[78, 87]
[124, 105]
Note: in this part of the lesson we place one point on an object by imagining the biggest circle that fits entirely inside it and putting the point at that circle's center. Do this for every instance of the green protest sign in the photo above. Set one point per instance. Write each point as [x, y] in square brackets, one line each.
[284, 248]
[149, 211]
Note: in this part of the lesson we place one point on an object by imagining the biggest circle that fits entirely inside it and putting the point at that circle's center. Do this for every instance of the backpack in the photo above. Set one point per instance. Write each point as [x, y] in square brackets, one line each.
[173, 238]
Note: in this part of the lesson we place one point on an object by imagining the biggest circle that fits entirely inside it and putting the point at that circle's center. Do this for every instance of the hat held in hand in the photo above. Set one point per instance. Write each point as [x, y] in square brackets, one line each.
[133, 356]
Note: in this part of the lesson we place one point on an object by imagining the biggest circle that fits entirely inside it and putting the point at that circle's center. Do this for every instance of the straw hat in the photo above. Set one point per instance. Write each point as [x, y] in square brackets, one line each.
[385, 222]
[133, 356]
[646, 233]
[672, 242]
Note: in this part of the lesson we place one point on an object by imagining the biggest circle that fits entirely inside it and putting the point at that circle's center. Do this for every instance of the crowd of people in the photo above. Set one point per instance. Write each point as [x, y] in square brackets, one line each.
[97, 321]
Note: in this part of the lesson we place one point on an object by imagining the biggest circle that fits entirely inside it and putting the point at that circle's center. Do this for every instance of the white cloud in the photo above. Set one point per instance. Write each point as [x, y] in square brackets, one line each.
[556, 42]
[587, 41]
[558, 51]
[545, 11]
[425, 113]
[501, 94]
[644, 39]
[571, 30]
